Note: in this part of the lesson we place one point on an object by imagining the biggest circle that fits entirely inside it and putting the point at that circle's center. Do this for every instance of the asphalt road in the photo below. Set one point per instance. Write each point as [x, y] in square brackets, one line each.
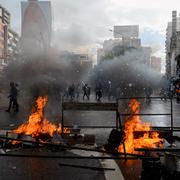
[17, 167]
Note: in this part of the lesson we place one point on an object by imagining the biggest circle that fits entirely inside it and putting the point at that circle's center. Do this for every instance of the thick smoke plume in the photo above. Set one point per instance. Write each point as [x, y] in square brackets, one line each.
[129, 73]
[49, 74]
[43, 74]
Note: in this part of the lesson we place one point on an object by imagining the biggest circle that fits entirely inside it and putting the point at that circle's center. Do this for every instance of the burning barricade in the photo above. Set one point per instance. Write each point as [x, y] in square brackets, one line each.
[38, 126]
[136, 134]
[134, 124]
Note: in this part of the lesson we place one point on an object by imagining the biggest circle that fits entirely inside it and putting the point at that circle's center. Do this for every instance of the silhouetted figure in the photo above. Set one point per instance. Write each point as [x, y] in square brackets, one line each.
[66, 93]
[163, 94]
[13, 97]
[71, 91]
[17, 88]
[109, 90]
[178, 92]
[89, 92]
[78, 90]
[148, 92]
[98, 91]
[86, 91]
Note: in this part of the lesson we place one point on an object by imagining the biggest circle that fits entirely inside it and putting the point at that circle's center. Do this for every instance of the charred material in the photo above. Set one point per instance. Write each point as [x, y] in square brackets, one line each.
[171, 166]
[114, 140]
[151, 169]
[163, 134]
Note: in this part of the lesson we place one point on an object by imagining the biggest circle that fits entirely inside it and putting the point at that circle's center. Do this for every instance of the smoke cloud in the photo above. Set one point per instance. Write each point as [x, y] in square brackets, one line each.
[130, 74]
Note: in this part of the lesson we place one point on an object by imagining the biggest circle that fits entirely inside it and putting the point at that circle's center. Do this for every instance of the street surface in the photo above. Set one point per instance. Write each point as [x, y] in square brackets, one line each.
[27, 168]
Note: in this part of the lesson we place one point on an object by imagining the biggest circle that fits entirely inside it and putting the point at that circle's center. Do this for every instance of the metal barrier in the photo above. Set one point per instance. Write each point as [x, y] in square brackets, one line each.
[92, 106]
[114, 106]
[151, 114]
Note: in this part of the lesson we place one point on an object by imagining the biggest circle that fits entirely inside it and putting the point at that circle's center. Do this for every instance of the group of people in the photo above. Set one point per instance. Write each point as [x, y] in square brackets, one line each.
[73, 92]
[172, 89]
[13, 95]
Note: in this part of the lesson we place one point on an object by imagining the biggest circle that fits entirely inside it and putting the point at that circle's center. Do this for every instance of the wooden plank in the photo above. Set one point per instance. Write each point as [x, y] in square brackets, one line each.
[89, 106]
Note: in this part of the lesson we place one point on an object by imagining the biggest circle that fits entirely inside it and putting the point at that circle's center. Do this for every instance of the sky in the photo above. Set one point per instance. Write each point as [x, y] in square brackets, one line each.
[85, 24]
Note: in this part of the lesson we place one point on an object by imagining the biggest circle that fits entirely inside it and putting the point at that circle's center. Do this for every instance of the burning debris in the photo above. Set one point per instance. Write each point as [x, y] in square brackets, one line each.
[38, 126]
[133, 124]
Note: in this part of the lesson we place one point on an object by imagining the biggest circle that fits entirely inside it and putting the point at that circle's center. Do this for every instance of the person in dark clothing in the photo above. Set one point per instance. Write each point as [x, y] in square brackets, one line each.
[178, 92]
[71, 91]
[13, 98]
[98, 91]
[86, 91]
[109, 90]
[14, 104]
[66, 93]
[148, 92]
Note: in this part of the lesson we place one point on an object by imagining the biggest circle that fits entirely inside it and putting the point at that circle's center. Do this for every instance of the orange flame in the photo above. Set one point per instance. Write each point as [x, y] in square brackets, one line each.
[134, 123]
[37, 124]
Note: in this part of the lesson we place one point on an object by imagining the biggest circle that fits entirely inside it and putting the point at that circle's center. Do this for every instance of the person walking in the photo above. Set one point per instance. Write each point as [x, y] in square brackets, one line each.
[98, 91]
[88, 92]
[85, 91]
[13, 98]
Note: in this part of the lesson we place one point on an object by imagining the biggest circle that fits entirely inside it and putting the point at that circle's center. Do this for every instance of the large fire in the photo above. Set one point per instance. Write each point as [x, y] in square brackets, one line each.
[37, 124]
[133, 124]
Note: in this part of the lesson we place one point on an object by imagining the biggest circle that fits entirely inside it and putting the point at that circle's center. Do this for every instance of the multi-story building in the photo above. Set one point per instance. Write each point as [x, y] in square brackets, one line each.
[156, 63]
[8, 38]
[125, 37]
[1, 40]
[84, 60]
[173, 47]
[36, 26]
[12, 42]
[131, 31]
[5, 16]
[4, 21]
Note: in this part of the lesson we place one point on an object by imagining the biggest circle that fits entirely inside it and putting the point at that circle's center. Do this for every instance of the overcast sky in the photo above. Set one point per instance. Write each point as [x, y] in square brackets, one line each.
[86, 23]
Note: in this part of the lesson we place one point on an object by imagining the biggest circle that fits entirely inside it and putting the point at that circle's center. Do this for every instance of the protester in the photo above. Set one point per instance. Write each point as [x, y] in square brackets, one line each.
[13, 97]
[78, 91]
[71, 91]
[178, 92]
[98, 91]
[109, 90]
[86, 91]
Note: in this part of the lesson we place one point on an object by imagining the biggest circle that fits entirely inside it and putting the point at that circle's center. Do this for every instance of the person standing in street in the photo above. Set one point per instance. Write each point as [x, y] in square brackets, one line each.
[109, 90]
[178, 92]
[13, 98]
[78, 91]
[89, 92]
[85, 91]
[71, 91]
[98, 91]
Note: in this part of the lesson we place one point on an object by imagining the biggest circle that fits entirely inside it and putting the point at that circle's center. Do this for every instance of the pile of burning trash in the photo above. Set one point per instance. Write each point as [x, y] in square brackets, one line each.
[136, 134]
[38, 126]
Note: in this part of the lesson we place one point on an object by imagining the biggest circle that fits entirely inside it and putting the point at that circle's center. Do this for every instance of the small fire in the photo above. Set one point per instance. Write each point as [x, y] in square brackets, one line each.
[134, 123]
[37, 124]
